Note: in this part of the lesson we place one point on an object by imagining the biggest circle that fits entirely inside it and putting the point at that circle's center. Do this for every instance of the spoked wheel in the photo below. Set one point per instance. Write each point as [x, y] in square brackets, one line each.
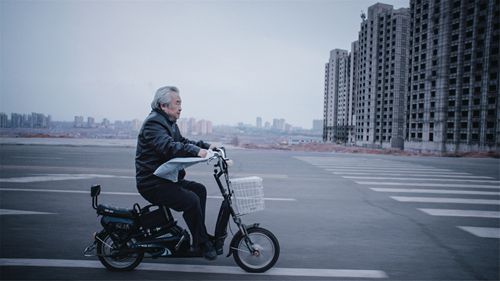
[111, 258]
[265, 254]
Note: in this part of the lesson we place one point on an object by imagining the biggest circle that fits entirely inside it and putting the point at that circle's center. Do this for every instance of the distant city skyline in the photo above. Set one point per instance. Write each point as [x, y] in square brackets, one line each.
[186, 124]
[87, 119]
[232, 60]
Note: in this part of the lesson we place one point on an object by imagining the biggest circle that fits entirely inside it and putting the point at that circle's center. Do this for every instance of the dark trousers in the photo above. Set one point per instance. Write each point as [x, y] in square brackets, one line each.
[184, 196]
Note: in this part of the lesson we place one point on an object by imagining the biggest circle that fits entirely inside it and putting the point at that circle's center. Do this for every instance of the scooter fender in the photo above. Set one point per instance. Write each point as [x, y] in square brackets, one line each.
[90, 249]
[100, 235]
[233, 246]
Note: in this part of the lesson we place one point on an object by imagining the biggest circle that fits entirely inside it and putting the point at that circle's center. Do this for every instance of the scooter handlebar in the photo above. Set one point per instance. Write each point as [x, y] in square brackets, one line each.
[221, 152]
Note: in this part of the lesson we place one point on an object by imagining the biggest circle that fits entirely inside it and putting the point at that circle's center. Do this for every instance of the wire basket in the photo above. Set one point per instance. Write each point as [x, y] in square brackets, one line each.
[248, 194]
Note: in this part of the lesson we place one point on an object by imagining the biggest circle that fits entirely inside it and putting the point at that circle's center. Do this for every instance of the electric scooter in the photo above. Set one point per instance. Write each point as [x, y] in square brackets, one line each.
[129, 235]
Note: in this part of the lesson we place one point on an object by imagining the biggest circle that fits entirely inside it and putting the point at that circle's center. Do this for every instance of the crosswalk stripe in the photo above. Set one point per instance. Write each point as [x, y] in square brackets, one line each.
[461, 213]
[446, 200]
[484, 232]
[384, 173]
[419, 179]
[427, 184]
[435, 191]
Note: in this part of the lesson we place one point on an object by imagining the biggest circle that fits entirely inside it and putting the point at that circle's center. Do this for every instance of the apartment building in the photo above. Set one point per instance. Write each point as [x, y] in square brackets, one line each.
[424, 78]
[382, 74]
[453, 96]
[335, 113]
[353, 89]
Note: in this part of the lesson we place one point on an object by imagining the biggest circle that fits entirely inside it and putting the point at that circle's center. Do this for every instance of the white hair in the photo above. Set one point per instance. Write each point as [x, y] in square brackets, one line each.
[164, 95]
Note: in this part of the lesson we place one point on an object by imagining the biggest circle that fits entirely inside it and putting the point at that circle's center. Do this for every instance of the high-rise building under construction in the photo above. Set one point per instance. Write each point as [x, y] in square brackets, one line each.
[453, 95]
[424, 78]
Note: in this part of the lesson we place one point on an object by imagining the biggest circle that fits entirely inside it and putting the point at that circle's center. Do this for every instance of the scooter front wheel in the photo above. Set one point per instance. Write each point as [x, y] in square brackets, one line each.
[111, 257]
[261, 255]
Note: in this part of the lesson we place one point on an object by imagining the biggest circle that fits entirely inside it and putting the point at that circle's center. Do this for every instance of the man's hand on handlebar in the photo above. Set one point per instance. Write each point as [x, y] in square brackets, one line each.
[203, 153]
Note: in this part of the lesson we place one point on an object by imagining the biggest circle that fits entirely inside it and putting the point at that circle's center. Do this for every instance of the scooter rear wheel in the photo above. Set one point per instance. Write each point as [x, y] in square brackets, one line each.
[109, 256]
[267, 250]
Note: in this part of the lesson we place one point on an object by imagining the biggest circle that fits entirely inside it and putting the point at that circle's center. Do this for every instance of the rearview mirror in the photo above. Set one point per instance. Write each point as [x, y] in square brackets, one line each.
[95, 190]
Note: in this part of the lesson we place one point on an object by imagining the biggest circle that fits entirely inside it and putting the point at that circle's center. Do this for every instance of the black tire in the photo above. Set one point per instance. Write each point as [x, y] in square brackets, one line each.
[113, 262]
[267, 255]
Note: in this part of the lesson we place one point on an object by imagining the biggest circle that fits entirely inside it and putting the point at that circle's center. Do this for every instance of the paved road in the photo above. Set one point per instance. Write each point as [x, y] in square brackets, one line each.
[337, 216]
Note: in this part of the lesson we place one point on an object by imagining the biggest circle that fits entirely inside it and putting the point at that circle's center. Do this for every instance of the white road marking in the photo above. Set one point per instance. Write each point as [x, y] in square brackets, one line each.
[265, 198]
[67, 168]
[402, 173]
[59, 177]
[63, 191]
[414, 174]
[435, 191]
[355, 163]
[427, 184]
[193, 268]
[262, 175]
[420, 179]
[371, 164]
[37, 157]
[484, 232]
[446, 200]
[20, 212]
[461, 213]
[383, 168]
[118, 193]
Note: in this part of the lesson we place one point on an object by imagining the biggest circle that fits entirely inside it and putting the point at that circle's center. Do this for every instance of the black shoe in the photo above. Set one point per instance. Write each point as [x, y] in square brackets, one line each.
[218, 243]
[209, 251]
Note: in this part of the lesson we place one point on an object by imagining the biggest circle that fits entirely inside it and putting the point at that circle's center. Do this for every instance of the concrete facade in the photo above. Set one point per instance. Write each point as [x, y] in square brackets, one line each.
[383, 48]
[453, 94]
[335, 114]
[425, 78]
[353, 89]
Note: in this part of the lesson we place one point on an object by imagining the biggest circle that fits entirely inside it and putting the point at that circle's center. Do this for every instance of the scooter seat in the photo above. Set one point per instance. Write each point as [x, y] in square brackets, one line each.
[107, 210]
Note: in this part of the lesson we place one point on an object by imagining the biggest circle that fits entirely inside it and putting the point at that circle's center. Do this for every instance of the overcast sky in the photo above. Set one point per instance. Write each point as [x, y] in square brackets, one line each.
[232, 60]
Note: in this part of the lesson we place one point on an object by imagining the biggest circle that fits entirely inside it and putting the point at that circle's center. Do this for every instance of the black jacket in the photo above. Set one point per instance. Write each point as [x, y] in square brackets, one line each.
[159, 141]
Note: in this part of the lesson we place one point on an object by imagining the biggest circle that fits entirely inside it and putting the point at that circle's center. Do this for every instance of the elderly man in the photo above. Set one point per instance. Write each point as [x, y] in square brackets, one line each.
[159, 141]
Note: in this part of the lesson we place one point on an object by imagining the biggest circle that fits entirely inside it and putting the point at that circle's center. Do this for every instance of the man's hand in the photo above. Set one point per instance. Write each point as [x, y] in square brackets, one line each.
[212, 147]
[202, 153]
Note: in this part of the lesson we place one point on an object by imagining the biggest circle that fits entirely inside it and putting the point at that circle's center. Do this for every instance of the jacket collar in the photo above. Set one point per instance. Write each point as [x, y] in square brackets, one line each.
[162, 113]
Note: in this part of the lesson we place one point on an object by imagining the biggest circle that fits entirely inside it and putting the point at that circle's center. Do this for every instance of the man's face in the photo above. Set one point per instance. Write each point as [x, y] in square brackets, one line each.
[173, 110]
